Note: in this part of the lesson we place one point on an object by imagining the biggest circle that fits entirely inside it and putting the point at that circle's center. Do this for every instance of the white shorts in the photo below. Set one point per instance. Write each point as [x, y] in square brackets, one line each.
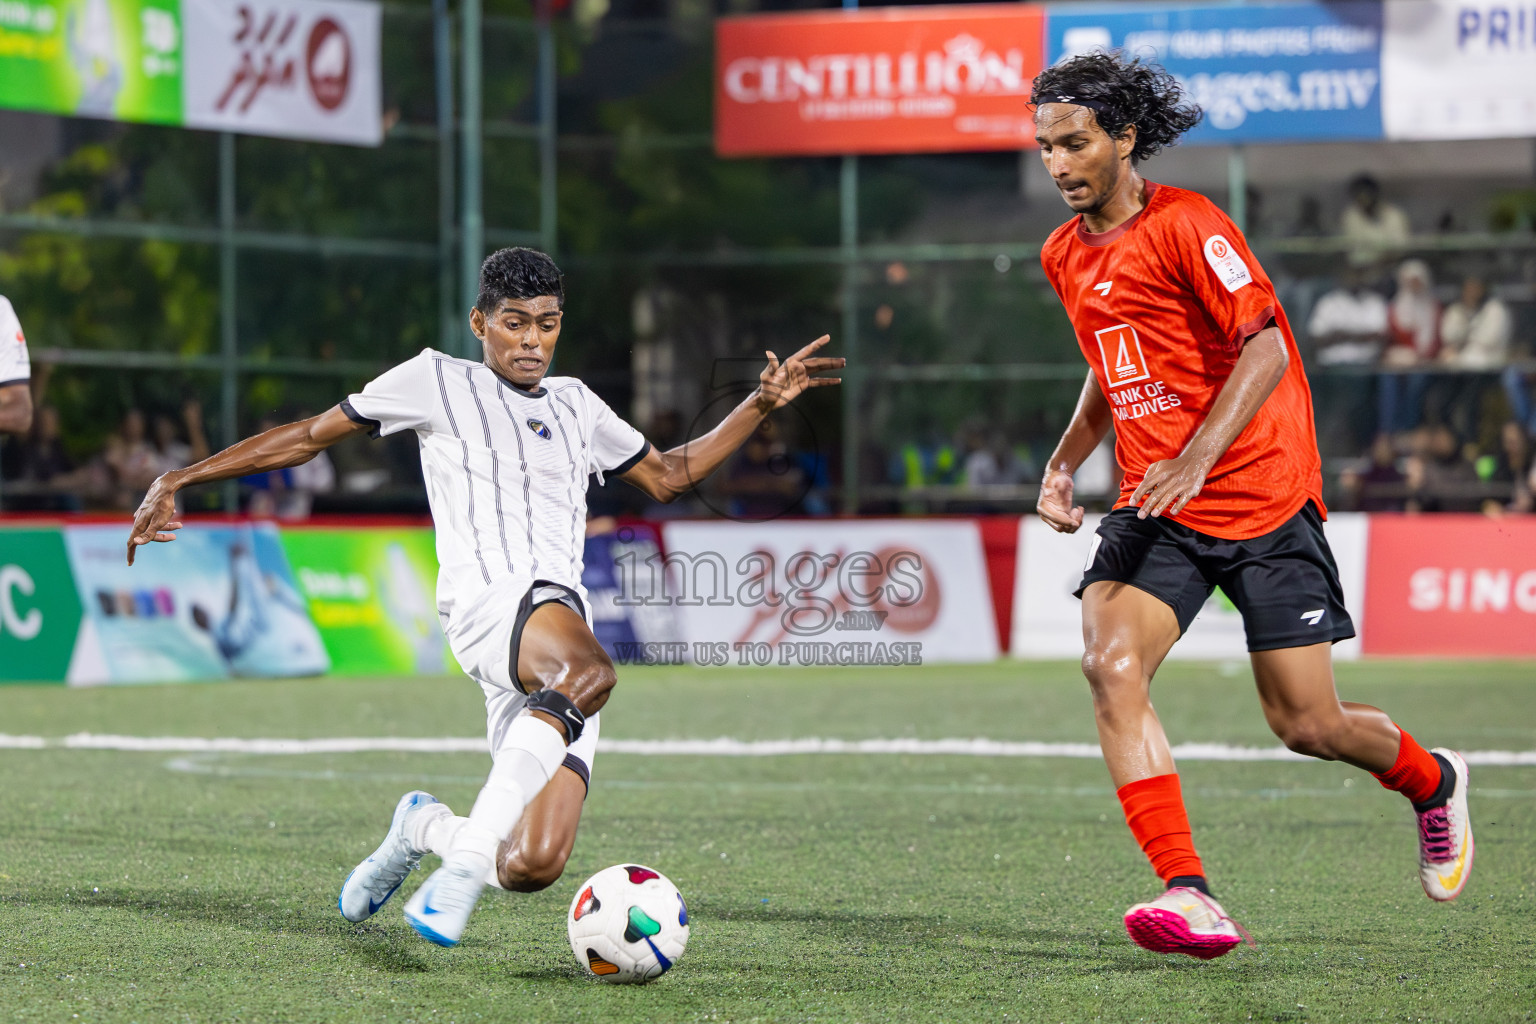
[484, 639]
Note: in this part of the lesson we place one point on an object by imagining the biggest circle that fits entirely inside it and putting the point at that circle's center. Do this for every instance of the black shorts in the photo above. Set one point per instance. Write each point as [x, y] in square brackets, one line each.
[1284, 583]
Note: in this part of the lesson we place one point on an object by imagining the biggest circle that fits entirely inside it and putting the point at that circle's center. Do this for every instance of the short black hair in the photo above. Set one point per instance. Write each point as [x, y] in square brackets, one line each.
[1364, 183]
[1124, 92]
[518, 273]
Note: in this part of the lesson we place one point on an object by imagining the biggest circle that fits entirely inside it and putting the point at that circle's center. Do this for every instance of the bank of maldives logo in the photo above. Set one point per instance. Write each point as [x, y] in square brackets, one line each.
[1120, 350]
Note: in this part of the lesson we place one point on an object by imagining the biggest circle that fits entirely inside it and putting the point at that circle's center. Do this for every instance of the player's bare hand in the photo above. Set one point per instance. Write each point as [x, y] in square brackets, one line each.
[155, 521]
[1055, 502]
[1168, 486]
[781, 383]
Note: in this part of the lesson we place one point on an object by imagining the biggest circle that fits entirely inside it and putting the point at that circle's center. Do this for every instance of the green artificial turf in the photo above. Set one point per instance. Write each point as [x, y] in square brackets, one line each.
[169, 887]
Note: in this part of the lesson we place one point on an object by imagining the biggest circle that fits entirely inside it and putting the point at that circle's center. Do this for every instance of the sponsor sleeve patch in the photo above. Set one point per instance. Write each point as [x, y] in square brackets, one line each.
[1230, 269]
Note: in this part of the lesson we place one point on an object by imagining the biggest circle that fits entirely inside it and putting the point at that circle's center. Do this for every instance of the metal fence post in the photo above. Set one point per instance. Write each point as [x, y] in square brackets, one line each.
[450, 323]
[472, 215]
[229, 338]
[547, 193]
[848, 201]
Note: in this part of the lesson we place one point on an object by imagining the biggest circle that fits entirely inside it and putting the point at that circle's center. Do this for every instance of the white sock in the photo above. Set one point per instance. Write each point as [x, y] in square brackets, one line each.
[434, 830]
[530, 754]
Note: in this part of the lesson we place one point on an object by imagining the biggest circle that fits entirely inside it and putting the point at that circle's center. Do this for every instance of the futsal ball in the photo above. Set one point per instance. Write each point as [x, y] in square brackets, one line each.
[627, 924]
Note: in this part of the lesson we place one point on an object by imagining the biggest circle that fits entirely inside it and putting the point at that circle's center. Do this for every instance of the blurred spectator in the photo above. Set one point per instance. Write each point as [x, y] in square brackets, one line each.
[1413, 325]
[1516, 391]
[1348, 325]
[173, 452]
[133, 461]
[290, 493]
[45, 459]
[1507, 470]
[1309, 218]
[1413, 318]
[1475, 330]
[1439, 475]
[1378, 485]
[762, 481]
[1371, 227]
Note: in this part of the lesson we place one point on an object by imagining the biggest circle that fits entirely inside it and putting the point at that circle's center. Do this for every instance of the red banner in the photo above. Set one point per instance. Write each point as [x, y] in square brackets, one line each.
[1451, 585]
[889, 80]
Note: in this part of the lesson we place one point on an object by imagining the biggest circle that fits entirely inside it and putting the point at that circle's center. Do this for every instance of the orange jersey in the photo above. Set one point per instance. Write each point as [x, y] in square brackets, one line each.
[1162, 305]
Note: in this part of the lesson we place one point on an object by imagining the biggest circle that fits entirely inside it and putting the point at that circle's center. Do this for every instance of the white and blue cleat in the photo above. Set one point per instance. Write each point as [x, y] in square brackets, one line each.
[440, 909]
[374, 881]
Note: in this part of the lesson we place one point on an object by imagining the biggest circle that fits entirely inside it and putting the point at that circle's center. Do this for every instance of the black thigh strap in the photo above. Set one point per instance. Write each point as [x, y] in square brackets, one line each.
[542, 592]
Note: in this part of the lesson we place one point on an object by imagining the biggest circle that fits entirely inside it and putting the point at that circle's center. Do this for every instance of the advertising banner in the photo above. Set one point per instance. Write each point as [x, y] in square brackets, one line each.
[1459, 70]
[1048, 622]
[622, 625]
[1451, 585]
[306, 69]
[117, 59]
[1261, 72]
[39, 607]
[831, 592]
[219, 602]
[888, 80]
[372, 594]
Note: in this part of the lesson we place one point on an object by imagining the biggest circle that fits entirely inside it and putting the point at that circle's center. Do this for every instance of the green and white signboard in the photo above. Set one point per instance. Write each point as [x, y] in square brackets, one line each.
[306, 69]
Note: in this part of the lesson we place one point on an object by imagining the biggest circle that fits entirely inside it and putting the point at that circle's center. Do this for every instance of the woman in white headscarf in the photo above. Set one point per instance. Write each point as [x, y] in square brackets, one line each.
[1413, 322]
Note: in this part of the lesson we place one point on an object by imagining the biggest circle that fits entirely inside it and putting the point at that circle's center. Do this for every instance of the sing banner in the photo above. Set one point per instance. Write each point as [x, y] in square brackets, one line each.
[1261, 72]
[890, 80]
[304, 69]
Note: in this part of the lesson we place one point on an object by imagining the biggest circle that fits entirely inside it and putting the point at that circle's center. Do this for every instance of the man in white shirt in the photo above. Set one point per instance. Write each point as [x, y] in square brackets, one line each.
[1348, 326]
[1373, 227]
[506, 452]
[15, 373]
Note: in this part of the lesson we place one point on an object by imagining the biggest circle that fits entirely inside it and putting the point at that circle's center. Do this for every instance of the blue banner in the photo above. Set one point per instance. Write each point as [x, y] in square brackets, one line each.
[1262, 73]
[629, 619]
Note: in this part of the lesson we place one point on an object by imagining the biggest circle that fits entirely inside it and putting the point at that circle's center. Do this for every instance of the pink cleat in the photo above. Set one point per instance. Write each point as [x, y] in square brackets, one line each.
[1445, 838]
[1184, 920]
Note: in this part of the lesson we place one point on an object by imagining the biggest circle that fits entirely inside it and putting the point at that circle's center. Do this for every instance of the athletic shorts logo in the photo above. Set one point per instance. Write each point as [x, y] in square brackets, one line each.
[538, 427]
[1121, 351]
[1230, 269]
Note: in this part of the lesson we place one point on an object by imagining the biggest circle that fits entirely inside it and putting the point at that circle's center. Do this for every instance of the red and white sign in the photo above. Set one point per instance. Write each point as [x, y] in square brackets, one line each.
[303, 69]
[1451, 585]
[889, 80]
[829, 592]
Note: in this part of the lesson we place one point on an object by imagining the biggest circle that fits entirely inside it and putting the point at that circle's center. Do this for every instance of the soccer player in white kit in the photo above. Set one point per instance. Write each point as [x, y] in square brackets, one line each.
[506, 452]
[15, 373]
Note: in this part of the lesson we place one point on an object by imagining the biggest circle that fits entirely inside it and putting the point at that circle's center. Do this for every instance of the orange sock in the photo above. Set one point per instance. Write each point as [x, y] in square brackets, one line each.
[1415, 773]
[1154, 808]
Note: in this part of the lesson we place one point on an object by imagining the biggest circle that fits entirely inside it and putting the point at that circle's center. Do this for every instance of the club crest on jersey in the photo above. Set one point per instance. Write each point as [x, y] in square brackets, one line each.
[1228, 265]
[538, 427]
[1120, 350]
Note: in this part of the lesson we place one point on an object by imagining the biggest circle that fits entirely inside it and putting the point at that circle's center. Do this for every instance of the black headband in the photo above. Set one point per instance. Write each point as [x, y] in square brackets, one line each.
[1081, 101]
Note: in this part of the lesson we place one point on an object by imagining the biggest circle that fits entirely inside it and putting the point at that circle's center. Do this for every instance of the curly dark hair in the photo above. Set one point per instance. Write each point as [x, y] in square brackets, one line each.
[1127, 91]
[518, 273]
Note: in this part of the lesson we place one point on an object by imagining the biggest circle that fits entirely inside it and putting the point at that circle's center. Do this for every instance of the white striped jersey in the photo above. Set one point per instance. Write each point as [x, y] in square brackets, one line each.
[15, 367]
[506, 468]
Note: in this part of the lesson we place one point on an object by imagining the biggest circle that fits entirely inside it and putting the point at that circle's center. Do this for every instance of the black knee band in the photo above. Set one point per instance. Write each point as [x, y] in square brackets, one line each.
[553, 702]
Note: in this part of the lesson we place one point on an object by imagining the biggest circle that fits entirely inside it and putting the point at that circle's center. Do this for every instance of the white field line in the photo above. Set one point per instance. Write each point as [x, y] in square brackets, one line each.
[720, 747]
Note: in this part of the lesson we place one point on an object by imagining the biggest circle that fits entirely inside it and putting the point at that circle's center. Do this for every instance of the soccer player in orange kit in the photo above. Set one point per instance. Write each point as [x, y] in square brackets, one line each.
[1194, 366]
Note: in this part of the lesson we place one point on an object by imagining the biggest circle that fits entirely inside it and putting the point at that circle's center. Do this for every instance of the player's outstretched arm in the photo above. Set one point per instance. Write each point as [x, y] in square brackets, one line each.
[1171, 484]
[1090, 422]
[665, 476]
[292, 444]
